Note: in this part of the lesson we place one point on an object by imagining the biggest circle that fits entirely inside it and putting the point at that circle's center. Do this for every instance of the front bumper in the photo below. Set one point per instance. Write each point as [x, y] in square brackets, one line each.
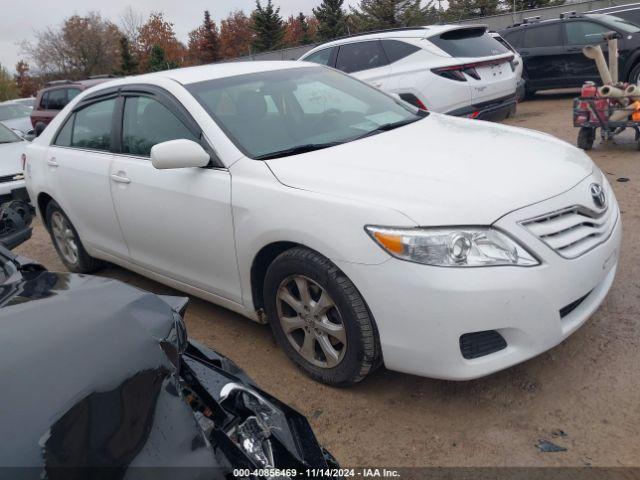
[493, 110]
[422, 311]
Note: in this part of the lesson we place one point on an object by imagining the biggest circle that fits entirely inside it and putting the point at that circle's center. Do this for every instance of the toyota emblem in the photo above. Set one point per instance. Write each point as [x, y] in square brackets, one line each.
[597, 194]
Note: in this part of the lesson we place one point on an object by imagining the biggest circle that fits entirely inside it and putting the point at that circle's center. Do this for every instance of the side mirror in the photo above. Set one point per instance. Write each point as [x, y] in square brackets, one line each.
[179, 154]
[39, 128]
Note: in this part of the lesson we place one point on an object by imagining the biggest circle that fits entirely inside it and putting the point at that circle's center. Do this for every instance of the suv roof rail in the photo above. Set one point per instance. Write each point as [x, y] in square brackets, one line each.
[104, 75]
[57, 82]
[570, 14]
[371, 32]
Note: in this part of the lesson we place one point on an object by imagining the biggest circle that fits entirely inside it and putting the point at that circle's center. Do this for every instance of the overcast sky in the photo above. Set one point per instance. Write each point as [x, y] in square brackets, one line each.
[20, 18]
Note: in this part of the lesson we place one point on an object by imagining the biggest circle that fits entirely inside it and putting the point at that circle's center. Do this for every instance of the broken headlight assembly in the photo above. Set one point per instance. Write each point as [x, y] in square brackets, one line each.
[452, 247]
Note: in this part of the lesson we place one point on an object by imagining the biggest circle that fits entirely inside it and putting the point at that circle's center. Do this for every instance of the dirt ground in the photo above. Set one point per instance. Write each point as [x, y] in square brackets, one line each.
[583, 395]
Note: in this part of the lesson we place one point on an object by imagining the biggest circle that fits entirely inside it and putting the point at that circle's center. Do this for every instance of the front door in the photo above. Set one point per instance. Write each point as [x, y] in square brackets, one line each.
[580, 33]
[176, 222]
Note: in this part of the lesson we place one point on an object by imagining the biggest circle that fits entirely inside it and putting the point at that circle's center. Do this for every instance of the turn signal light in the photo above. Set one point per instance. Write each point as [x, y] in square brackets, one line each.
[392, 243]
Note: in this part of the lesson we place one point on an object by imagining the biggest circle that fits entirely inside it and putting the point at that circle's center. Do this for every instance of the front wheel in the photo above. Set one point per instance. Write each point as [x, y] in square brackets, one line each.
[634, 74]
[319, 318]
[67, 242]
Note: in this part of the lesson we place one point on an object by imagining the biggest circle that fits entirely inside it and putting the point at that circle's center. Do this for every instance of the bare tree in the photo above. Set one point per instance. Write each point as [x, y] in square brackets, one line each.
[80, 47]
[130, 22]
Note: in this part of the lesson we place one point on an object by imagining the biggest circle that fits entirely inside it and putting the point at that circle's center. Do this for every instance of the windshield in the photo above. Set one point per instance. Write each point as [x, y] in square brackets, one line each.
[11, 111]
[7, 136]
[283, 112]
[618, 23]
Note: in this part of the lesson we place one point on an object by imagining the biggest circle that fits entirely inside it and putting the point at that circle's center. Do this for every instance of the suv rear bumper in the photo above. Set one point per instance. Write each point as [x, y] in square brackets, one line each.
[494, 110]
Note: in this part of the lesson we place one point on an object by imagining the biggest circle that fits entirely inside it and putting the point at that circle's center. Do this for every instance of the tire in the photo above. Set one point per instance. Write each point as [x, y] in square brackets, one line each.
[634, 74]
[586, 137]
[529, 94]
[336, 363]
[62, 231]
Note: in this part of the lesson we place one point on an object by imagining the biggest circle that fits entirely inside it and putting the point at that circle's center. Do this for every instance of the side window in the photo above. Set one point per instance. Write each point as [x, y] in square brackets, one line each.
[322, 57]
[355, 57]
[92, 126]
[397, 50]
[146, 123]
[514, 38]
[585, 33]
[44, 101]
[64, 135]
[544, 36]
[72, 93]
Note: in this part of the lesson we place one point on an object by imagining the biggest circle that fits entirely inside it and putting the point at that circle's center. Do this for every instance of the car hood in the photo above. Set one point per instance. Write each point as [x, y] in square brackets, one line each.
[442, 170]
[100, 374]
[10, 161]
[23, 124]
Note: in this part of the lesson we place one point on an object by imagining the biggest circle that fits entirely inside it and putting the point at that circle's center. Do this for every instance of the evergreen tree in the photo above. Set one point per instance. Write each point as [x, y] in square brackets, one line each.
[268, 27]
[128, 64]
[306, 37]
[210, 47]
[461, 9]
[383, 14]
[507, 5]
[157, 60]
[331, 19]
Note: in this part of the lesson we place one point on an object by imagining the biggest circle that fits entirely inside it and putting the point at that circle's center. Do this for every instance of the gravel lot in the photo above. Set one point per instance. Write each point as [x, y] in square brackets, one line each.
[582, 395]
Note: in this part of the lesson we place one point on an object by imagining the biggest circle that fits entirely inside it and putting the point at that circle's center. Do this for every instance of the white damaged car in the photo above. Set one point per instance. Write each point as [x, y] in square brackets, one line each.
[365, 231]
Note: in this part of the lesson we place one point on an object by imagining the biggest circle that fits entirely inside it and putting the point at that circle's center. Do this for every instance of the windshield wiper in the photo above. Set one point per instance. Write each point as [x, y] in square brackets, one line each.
[385, 127]
[308, 147]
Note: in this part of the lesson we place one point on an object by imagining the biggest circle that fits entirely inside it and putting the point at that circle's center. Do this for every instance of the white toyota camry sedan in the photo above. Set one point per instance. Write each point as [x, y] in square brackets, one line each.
[364, 231]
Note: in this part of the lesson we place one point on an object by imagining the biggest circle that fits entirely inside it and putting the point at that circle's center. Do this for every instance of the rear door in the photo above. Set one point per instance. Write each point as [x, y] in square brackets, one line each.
[578, 34]
[544, 55]
[366, 61]
[78, 163]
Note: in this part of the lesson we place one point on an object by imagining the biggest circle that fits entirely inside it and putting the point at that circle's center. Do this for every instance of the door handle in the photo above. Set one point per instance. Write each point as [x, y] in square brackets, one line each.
[120, 178]
[574, 49]
[376, 84]
[52, 162]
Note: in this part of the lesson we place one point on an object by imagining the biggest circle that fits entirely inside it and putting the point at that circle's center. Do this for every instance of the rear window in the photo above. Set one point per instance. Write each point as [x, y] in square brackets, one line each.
[468, 42]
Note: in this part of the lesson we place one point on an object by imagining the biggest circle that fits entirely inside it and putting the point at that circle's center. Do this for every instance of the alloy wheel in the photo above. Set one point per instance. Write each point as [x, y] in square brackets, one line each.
[311, 321]
[64, 237]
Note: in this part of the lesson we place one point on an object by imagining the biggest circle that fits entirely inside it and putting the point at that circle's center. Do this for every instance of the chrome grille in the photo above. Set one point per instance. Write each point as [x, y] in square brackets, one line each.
[574, 231]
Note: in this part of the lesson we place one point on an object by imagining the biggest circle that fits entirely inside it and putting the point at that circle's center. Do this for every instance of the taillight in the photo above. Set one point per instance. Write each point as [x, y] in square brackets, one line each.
[472, 72]
[474, 114]
[452, 73]
[457, 72]
[23, 157]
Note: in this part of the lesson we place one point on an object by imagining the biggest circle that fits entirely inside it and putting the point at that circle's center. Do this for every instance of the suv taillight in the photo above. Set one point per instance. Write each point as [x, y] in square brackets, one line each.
[457, 72]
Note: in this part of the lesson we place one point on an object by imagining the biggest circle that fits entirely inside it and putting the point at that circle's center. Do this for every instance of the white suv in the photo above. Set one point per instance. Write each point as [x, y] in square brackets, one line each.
[364, 230]
[453, 69]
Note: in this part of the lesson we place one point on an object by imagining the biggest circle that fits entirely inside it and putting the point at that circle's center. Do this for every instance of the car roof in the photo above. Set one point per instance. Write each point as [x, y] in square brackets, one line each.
[188, 75]
[412, 32]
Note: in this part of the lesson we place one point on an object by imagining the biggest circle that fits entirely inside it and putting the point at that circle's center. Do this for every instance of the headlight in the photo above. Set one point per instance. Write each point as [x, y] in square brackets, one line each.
[452, 247]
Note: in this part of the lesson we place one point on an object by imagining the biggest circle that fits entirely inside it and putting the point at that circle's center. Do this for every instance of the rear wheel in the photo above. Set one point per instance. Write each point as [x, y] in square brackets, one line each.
[634, 74]
[67, 242]
[319, 318]
[586, 137]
